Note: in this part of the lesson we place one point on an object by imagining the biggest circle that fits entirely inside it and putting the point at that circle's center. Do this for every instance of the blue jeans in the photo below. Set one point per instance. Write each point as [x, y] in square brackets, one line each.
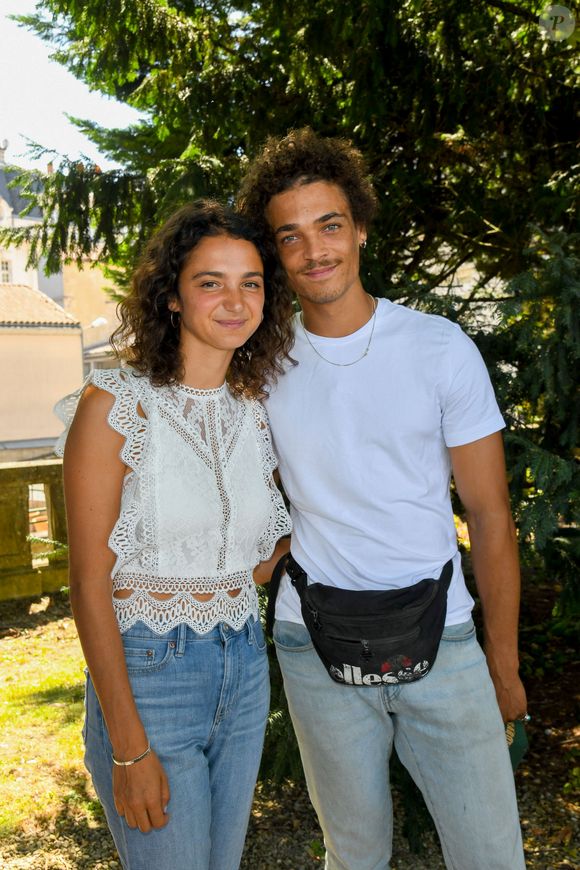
[448, 733]
[204, 701]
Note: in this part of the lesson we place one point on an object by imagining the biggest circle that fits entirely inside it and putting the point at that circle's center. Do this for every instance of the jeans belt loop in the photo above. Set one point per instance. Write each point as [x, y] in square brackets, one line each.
[181, 638]
[250, 629]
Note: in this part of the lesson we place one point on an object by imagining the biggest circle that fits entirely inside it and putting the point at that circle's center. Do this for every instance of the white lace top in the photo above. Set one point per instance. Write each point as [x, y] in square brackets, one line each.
[199, 508]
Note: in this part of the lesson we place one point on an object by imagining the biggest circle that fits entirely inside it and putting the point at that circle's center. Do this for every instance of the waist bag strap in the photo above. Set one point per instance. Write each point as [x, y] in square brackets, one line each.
[446, 574]
[299, 577]
[299, 580]
[277, 575]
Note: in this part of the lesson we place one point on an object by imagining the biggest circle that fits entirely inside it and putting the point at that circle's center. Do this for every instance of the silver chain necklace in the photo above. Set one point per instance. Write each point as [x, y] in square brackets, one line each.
[358, 359]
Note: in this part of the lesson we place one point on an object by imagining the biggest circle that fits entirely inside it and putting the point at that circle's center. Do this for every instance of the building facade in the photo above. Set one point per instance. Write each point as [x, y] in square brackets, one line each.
[53, 330]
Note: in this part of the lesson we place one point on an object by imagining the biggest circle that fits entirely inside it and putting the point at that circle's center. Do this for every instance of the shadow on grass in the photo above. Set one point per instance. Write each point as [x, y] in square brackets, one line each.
[15, 615]
[75, 836]
[69, 700]
[77, 795]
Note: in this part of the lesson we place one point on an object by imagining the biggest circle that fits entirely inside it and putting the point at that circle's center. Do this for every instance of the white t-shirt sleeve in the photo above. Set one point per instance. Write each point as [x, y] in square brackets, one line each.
[469, 407]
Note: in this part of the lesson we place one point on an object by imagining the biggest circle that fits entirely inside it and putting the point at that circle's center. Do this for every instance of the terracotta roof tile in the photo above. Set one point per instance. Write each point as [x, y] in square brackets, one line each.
[20, 305]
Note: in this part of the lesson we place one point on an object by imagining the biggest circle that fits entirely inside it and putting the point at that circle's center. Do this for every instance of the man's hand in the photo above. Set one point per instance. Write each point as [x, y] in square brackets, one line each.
[141, 793]
[509, 690]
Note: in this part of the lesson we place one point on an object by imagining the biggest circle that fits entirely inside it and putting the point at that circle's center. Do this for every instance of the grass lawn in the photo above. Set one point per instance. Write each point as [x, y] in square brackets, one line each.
[50, 818]
[44, 789]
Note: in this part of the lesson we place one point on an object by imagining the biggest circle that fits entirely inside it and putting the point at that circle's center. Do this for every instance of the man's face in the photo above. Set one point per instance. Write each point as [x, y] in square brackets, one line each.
[317, 241]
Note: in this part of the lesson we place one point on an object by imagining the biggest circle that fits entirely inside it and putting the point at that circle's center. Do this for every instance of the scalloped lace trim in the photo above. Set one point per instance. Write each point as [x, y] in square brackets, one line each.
[65, 410]
[184, 608]
[279, 523]
[123, 416]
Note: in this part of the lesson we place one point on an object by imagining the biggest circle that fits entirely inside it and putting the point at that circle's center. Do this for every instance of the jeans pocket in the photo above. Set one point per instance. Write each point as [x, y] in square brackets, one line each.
[291, 636]
[460, 633]
[144, 655]
[257, 631]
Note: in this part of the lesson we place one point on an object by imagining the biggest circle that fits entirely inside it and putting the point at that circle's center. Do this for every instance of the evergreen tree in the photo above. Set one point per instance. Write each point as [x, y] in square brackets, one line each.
[466, 113]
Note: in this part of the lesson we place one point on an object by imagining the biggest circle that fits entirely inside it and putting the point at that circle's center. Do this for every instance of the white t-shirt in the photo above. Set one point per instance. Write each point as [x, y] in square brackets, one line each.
[363, 452]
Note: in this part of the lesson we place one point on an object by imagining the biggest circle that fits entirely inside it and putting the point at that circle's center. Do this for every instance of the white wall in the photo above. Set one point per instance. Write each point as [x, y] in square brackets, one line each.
[38, 366]
[17, 258]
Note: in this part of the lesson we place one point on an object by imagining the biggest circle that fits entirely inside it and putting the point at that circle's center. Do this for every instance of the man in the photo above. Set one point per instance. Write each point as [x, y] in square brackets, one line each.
[383, 405]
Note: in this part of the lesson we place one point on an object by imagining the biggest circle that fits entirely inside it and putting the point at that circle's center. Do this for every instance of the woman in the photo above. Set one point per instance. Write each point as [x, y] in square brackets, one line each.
[171, 506]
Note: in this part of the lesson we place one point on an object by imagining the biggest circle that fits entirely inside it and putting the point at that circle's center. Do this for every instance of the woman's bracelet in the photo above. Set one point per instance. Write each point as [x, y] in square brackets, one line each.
[133, 760]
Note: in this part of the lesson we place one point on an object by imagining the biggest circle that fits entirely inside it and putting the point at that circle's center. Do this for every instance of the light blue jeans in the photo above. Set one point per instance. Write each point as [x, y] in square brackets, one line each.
[203, 700]
[448, 733]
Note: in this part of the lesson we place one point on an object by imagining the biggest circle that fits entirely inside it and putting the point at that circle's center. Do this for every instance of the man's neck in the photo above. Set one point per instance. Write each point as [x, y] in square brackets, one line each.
[338, 318]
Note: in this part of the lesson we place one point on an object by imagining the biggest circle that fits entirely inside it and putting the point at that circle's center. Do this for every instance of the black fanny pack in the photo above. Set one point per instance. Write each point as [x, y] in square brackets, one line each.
[368, 638]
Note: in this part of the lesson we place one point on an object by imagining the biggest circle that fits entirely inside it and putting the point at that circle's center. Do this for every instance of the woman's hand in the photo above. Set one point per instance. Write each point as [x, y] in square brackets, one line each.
[141, 793]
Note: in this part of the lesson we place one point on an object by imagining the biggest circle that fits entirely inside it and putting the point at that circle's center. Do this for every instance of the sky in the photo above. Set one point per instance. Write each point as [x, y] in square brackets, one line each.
[35, 94]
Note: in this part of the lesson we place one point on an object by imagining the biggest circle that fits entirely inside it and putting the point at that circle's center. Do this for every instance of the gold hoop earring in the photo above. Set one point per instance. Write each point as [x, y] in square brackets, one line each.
[174, 324]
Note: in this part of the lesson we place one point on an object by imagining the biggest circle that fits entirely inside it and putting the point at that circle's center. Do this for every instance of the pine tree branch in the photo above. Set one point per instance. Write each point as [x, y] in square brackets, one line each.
[513, 10]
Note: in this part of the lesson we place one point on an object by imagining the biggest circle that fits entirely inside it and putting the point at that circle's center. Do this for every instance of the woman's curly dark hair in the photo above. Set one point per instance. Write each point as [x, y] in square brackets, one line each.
[303, 157]
[146, 337]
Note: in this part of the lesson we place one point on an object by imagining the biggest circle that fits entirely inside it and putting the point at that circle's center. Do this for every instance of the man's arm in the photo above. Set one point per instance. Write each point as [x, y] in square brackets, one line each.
[479, 472]
[263, 570]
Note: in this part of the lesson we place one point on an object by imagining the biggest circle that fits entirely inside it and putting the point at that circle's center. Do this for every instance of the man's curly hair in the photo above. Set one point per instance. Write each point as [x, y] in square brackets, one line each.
[303, 157]
[146, 337]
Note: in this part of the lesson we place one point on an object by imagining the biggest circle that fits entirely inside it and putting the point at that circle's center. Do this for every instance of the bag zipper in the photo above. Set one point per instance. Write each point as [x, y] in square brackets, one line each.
[314, 614]
[395, 613]
[410, 635]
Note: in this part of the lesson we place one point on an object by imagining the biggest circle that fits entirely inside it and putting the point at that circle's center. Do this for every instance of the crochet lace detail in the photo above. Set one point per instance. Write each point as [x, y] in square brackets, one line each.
[279, 520]
[201, 616]
[123, 417]
[199, 508]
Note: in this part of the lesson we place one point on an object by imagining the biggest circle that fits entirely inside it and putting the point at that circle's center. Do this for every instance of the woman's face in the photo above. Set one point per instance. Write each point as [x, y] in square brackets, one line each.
[220, 294]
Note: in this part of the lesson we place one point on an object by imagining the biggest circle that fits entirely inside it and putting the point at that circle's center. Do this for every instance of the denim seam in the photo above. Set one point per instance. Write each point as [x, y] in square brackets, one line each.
[123, 833]
[223, 705]
[389, 694]
[294, 649]
[152, 668]
[253, 637]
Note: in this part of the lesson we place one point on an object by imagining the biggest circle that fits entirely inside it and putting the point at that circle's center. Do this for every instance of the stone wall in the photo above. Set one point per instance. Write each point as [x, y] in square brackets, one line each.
[18, 577]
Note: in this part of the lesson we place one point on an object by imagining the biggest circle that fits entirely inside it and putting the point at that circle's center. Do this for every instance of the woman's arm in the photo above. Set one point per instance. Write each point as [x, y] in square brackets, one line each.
[93, 480]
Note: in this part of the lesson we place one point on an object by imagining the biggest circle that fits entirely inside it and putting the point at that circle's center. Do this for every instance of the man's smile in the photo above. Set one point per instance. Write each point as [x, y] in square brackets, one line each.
[319, 272]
